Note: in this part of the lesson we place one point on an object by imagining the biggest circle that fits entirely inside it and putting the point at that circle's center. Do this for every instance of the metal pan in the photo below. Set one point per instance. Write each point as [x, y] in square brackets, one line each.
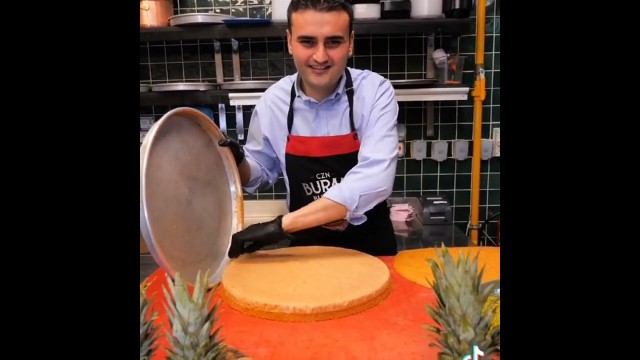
[184, 86]
[144, 87]
[190, 195]
[198, 19]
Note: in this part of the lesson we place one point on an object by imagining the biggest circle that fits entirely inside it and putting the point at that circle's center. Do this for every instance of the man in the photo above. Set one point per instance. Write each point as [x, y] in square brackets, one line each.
[331, 131]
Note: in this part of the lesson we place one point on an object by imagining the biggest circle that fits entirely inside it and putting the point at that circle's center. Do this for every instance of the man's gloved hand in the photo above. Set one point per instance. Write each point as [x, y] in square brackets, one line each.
[257, 236]
[235, 148]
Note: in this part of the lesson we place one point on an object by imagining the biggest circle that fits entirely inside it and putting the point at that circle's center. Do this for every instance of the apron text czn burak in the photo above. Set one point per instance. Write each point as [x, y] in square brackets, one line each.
[314, 164]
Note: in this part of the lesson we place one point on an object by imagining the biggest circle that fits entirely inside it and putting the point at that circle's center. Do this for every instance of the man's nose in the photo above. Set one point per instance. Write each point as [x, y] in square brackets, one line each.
[320, 54]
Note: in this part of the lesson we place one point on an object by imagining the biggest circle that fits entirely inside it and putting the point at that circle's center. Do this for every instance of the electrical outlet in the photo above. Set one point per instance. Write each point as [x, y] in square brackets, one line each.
[460, 149]
[496, 142]
[487, 149]
[439, 150]
[419, 149]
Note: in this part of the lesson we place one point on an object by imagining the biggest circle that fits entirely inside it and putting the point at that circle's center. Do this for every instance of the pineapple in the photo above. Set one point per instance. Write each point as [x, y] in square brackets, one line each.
[191, 322]
[148, 331]
[466, 311]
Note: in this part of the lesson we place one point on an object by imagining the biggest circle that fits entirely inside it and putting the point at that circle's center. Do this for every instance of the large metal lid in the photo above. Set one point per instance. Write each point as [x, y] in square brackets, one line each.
[190, 195]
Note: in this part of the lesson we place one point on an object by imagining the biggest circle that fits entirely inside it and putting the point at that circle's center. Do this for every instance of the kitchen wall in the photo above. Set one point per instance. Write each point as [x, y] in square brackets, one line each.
[395, 57]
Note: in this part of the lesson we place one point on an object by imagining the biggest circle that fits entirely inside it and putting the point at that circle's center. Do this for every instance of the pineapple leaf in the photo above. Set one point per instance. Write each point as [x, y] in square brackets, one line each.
[464, 312]
[148, 330]
[192, 334]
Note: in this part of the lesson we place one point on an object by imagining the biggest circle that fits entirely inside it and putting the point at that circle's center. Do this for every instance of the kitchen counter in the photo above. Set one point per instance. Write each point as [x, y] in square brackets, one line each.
[418, 236]
[391, 330]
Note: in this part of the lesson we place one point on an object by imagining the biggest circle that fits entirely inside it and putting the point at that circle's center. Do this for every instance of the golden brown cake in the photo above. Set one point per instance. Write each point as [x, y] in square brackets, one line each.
[305, 283]
[413, 264]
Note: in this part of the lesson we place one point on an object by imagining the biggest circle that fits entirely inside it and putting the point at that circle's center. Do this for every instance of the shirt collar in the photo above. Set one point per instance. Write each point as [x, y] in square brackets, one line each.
[336, 93]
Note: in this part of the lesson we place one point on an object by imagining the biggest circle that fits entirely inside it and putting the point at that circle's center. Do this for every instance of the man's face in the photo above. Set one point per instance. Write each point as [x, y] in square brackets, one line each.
[320, 44]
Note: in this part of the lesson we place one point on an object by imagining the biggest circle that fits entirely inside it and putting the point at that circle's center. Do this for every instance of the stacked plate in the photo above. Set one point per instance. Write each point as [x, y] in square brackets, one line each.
[198, 19]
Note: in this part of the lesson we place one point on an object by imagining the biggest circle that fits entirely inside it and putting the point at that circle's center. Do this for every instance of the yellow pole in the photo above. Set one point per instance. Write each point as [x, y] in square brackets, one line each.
[479, 94]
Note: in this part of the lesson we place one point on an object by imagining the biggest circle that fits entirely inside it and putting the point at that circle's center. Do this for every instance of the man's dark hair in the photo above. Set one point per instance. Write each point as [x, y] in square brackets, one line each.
[320, 5]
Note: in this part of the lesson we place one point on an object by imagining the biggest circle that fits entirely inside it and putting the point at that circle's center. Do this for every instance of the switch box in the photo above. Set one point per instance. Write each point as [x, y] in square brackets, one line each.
[400, 149]
[487, 149]
[496, 142]
[419, 149]
[146, 122]
[460, 149]
[439, 150]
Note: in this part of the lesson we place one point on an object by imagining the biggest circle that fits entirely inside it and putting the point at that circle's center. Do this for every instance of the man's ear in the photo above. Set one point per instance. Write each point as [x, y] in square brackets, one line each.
[351, 42]
[289, 42]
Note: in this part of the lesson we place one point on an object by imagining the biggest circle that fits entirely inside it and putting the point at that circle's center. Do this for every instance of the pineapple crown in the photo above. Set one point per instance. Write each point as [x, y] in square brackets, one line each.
[464, 313]
[191, 320]
[148, 330]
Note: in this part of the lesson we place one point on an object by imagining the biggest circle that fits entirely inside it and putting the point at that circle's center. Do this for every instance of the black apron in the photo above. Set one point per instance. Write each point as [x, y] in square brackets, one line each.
[314, 164]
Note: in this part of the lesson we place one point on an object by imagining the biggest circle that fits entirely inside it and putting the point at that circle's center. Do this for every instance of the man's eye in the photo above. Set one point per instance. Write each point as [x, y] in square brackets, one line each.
[333, 43]
[307, 43]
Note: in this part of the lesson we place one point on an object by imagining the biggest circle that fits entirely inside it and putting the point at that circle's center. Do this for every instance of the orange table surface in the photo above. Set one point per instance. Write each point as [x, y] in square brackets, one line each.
[391, 330]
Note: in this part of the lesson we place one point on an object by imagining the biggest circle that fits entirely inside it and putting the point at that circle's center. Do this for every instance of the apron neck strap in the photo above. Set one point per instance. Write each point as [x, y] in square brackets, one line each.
[348, 88]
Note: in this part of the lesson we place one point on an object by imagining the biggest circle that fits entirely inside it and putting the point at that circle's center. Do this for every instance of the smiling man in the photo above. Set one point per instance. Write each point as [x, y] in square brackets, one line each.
[331, 132]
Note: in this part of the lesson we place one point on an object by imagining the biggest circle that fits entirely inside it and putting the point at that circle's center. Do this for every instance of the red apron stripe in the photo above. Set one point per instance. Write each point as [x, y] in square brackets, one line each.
[317, 146]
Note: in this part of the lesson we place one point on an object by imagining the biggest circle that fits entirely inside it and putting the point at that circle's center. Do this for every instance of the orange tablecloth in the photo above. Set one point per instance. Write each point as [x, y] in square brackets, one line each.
[391, 330]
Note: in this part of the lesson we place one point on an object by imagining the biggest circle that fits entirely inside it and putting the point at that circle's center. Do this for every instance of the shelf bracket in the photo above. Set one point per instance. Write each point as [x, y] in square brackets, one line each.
[429, 114]
[430, 67]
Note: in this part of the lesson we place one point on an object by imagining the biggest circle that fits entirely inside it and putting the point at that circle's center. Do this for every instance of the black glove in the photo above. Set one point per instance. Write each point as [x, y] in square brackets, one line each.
[257, 236]
[235, 148]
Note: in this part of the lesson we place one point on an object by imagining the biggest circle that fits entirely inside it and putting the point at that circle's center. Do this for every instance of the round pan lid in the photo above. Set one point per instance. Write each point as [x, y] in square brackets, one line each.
[190, 195]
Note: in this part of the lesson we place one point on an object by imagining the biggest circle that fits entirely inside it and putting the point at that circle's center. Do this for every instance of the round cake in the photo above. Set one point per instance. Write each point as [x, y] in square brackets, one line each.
[413, 265]
[305, 283]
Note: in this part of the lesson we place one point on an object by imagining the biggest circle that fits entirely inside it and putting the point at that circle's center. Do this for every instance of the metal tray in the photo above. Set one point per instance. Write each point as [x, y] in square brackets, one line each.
[184, 87]
[412, 82]
[190, 195]
[247, 85]
[198, 19]
[144, 87]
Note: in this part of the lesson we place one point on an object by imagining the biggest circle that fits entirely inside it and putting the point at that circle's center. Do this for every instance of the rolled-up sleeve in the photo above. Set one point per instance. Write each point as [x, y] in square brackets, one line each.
[371, 180]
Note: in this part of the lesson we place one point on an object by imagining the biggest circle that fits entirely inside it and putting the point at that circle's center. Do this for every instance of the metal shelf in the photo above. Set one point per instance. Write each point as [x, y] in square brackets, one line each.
[151, 98]
[432, 94]
[251, 98]
[277, 29]
[422, 94]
